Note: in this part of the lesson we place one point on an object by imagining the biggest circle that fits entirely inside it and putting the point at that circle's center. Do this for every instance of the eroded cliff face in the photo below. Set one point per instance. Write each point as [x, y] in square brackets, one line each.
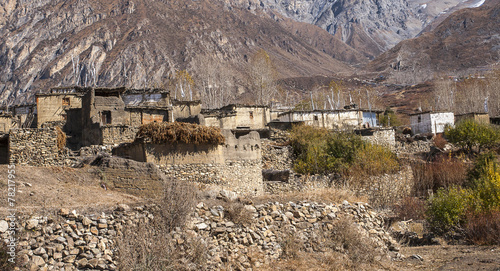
[139, 43]
[369, 26]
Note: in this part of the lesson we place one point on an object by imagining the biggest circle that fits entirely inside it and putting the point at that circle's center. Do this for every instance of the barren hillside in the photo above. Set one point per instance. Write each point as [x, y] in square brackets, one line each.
[141, 43]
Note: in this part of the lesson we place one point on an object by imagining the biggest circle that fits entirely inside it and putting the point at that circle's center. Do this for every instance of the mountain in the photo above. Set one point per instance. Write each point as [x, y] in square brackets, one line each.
[464, 42]
[142, 43]
[369, 26]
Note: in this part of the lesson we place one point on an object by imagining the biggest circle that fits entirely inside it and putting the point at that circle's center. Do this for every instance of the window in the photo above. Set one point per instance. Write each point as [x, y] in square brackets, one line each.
[106, 117]
[65, 101]
[315, 117]
[419, 119]
[251, 114]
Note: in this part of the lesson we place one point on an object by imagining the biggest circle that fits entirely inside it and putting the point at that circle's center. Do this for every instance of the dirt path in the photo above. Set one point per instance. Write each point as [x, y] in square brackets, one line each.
[463, 258]
[43, 189]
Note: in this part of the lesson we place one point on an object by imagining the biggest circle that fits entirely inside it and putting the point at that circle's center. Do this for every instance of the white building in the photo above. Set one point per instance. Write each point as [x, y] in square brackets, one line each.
[431, 122]
[333, 119]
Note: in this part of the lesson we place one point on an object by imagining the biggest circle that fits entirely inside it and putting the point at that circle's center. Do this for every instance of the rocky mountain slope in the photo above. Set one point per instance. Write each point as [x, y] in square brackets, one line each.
[464, 42]
[369, 26]
[142, 43]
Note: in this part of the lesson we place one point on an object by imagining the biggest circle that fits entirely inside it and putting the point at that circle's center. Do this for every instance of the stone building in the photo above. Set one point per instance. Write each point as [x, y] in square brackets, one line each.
[107, 116]
[237, 116]
[57, 104]
[235, 165]
[483, 118]
[333, 119]
[431, 122]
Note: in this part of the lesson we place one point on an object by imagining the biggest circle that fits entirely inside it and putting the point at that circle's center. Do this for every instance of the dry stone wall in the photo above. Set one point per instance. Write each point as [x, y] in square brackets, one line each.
[36, 147]
[75, 241]
[118, 134]
[242, 176]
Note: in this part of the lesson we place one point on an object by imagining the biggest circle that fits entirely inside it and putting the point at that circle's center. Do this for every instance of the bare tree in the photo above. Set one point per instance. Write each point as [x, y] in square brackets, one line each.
[214, 81]
[184, 84]
[263, 77]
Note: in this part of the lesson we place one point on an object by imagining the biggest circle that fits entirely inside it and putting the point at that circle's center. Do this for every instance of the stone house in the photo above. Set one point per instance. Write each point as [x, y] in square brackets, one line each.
[333, 119]
[235, 165]
[57, 104]
[431, 122]
[483, 118]
[106, 116]
[236, 116]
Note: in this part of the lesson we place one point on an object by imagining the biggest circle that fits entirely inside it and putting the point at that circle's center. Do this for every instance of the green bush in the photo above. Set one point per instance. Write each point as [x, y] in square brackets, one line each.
[373, 160]
[342, 150]
[389, 118]
[309, 145]
[319, 151]
[469, 134]
[447, 208]
[452, 208]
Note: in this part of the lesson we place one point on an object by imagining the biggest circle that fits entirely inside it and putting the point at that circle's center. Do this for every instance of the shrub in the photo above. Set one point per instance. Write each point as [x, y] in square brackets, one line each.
[178, 201]
[236, 212]
[389, 118]
[374, 160]
[345, 237]
[440, 141]
[149, 245]
[469, 134]
[443, 172]
[342, 149]
[61, 138]
[411, 208]
[483, 228]
[318, 151]
[446, 209]
[309, 146]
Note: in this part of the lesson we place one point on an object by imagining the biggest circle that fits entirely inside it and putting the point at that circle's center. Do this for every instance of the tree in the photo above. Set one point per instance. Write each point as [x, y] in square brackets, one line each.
[183, 86]
[214, 80]
[263, 77]
[469, 134]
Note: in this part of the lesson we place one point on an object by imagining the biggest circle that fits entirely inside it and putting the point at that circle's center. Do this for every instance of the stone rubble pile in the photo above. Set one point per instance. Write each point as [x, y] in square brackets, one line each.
[71, 241]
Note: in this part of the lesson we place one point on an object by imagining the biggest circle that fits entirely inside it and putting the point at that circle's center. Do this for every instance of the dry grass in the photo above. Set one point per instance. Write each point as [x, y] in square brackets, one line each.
[440, 141]
[178, 132]
[61, 138]
[236, 212]
[411, 208]
[178, 202]
[484, 228]
[442, 172]
[342, 248]
[5, 264]
[149, 245]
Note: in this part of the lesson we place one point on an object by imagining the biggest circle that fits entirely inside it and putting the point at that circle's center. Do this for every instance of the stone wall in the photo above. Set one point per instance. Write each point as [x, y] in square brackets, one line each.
[418, 146]
[73, 241]
[384, 137]
[35, 147]
[244, 177]
[118, 134]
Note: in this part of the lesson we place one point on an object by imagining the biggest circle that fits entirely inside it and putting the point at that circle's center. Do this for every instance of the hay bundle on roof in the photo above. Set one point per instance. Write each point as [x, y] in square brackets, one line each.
[178, 132]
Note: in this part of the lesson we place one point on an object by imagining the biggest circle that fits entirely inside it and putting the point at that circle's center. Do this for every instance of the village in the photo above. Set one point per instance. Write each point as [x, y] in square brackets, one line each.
[233, 153]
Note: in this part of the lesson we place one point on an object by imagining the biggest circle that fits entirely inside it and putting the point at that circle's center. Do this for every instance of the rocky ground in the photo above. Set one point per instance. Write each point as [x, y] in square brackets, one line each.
[86, 238]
